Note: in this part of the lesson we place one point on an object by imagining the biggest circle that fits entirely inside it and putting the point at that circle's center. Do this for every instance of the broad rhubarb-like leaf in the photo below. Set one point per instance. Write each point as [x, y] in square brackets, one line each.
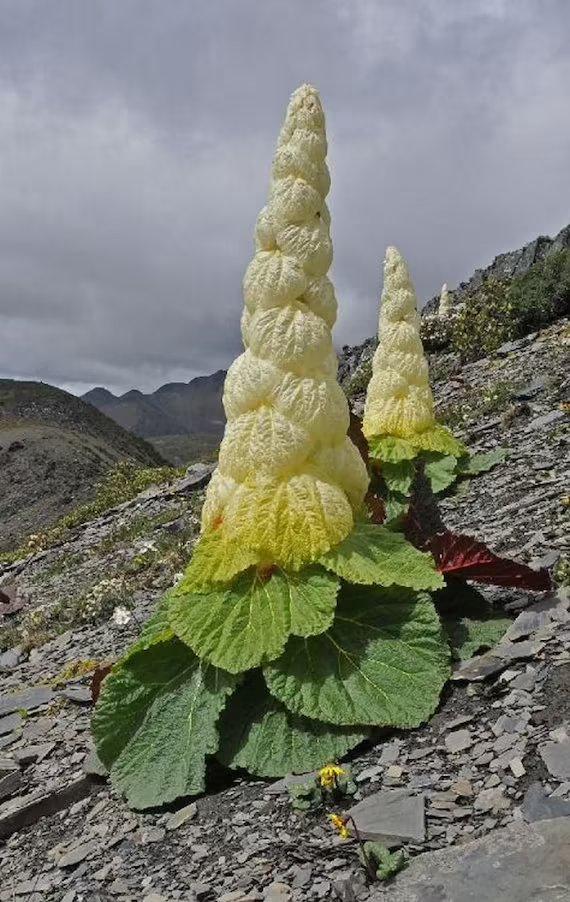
[248, 622]
[155, 722]
[216, 558]
[398, 476]
[468, 558]
[262, 736]
[383, 662]
[391, 449]
[441, 471]
[373, 555]
[480, 463]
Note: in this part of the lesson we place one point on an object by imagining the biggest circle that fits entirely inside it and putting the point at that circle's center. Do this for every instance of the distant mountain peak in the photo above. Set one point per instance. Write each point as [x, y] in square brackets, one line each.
[174, 409]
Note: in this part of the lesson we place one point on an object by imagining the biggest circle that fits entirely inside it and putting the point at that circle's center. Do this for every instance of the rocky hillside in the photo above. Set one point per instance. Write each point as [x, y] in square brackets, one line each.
[478, 797]
[510, 265]
[53, 447]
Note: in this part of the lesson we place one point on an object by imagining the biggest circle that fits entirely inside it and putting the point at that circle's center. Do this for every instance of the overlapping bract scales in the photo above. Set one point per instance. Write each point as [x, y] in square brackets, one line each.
[399, 401]
[289, 480]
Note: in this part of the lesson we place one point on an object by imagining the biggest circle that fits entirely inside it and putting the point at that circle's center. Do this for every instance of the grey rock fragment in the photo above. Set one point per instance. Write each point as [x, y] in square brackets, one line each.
[556, 756]
[483, 666]
[76, 855]
[26, 699]
[458, 741]
[519, 863]
[537, 806]
[180, 817]
[9, 784]
[391, 817]
[10, 722]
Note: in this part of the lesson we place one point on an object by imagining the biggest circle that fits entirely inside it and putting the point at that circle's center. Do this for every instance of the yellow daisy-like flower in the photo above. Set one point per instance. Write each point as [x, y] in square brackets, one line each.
[340, 824]
[328, 775]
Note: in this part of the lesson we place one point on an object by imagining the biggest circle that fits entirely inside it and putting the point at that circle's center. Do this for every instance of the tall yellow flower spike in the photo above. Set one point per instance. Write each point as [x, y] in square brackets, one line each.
[399, 401]
[289, 480]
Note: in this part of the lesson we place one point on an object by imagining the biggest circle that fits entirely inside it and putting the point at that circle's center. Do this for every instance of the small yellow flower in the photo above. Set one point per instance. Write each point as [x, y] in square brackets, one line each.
[328, 775]
[340, 824]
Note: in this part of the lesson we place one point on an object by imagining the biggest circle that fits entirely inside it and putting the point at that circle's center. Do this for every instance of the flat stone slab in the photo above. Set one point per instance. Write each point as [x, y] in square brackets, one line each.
[537, 806]
[391, 816]
[25, 700]
[556, 756]
[521, 863]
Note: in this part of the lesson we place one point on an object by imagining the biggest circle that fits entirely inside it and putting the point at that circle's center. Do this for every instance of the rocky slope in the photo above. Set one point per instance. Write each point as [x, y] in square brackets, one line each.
[492, 767]
[53, 447]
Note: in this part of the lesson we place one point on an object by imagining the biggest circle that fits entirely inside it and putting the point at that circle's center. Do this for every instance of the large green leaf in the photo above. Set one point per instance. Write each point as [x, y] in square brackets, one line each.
[440, 470]
[372, 555]
[480, 463]
[398, 476]
[384, 662]
[215, 559]
[390, 449]
[438, 438]
[260, 735]
[239, 626]
[155, 722]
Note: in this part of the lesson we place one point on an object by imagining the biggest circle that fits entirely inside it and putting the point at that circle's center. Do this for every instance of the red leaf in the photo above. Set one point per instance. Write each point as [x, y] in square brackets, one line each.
[376, 506]
[467, 558]
[98, 676]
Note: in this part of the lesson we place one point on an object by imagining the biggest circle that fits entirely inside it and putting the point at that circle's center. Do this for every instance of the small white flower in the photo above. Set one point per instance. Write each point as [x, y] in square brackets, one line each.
[121, 616]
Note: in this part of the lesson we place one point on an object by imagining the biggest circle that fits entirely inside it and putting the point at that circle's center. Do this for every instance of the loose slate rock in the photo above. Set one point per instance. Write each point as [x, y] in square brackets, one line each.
[10, 722]
[556, 756]
[9, 784]
[458, 741]
[26, 699]
[520, 862]
[80, 695]
[180, 817]
[537, 806]
[391, 817]
[483, 666]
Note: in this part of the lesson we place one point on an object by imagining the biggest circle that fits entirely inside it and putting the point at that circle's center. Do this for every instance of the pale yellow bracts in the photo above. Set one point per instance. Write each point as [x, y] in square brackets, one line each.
[289, 480]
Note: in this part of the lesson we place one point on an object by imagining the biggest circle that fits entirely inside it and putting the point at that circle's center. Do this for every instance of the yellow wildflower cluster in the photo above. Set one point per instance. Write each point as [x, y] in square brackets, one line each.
[329, 775]
[341, 825]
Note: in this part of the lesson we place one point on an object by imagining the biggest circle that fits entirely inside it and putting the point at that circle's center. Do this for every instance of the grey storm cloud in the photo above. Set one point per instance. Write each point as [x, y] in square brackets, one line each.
[136, 140]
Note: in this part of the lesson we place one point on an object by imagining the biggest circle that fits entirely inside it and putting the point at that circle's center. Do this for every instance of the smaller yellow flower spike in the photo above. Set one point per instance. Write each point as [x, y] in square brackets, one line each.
[399, 401]
[328, 775]
[340, 824]
[445, 306]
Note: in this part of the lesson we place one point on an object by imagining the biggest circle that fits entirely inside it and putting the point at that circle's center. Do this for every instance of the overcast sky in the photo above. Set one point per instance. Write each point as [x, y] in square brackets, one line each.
[136, 140]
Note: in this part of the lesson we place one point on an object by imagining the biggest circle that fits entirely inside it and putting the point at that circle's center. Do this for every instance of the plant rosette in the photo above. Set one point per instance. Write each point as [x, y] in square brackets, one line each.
[298, 627]
[275, 672]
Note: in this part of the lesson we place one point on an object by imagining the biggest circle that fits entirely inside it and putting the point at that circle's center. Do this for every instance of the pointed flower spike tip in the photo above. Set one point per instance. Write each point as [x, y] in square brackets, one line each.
[444, 308]
[399, 401]
[289, 480]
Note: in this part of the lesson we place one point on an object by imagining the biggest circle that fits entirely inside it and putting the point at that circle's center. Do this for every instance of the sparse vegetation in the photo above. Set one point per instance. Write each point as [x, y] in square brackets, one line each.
[503, 310]
[122, 483]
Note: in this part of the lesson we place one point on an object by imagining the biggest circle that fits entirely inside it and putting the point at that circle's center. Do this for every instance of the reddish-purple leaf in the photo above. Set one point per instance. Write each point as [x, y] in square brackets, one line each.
[468, 558]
